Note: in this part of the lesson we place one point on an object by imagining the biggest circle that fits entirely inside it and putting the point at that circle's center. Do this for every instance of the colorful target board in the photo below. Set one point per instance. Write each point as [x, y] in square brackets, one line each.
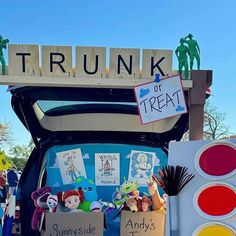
[207, 205]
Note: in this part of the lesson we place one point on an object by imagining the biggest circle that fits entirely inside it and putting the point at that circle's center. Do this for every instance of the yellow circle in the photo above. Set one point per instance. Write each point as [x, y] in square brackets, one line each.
[215, 230]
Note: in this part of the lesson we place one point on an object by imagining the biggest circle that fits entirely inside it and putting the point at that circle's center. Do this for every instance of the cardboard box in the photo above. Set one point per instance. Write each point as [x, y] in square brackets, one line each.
[142, 223]
[76, 224]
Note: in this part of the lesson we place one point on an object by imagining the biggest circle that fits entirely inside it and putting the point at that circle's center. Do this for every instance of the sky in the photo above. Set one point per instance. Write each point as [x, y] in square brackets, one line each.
[128, 24]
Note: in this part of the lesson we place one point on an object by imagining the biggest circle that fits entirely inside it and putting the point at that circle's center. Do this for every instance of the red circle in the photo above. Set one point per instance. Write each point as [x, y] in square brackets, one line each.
[217, 200]
[218, 160]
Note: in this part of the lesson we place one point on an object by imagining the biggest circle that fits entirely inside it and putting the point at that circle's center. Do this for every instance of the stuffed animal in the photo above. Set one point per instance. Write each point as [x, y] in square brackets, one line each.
[52, 202]
[129, 186]
[72, 199]
[90, 193]
[146, 203]
[118, 198]
[133, 204]
[39, 197]
[96, 206]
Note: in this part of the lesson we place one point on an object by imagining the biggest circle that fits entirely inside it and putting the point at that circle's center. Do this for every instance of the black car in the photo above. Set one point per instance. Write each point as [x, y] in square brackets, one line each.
[92, 119]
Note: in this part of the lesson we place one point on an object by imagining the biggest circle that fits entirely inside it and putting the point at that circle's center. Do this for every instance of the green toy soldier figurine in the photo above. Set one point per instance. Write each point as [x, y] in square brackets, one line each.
[194, 50]
[3, 44]
[182, 52]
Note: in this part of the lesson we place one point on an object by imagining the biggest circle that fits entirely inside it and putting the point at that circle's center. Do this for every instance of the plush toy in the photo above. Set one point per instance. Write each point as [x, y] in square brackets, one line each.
[90, 192]
[118, 198]
[129, 186]
[39, 197]
[133, 204]
[146, 203]
[96, 206]
[52, 202]
[72, 199]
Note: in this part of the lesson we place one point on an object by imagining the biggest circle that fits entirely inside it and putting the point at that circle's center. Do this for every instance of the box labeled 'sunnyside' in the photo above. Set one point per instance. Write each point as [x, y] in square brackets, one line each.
[86, 224]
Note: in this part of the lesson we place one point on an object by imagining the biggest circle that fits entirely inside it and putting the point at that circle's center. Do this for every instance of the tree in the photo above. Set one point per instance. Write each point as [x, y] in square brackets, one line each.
[19, 154]
[214, 124]
[5, 135]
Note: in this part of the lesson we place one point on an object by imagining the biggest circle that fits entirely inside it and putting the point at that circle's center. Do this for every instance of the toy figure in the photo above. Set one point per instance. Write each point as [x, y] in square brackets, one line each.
[96, 206]
[182, 53]
[129, 186]
[118, 198]
[109, 206]
[3, 44]
[90, 193]
[142, 166]
[52, 202]
[133, 204]
[72, 199]
[40, 201]
[194, 50]
[157, 201]
[146, 203]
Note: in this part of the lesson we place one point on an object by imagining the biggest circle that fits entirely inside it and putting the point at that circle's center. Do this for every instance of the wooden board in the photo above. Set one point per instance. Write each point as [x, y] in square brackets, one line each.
[77, 82]
[159, 60]
[121, 65]
[57, 61]
[26, 63]
[90, 62]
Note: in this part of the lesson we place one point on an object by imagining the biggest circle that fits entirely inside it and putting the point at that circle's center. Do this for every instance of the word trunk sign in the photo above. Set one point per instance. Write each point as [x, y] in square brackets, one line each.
[90, 62]
[159, 100]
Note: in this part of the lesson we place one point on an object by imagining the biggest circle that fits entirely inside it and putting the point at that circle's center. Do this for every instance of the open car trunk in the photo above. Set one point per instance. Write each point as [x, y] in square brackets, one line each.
[91, 119]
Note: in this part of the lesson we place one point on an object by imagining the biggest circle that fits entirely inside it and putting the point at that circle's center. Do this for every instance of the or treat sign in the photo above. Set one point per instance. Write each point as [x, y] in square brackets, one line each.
[142, 223]
[76, 224]
[159, 100]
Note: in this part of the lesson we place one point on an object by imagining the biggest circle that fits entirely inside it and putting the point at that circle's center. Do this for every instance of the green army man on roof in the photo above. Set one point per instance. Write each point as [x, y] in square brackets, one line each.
[3, 45]
[194, 50]
[182, 53]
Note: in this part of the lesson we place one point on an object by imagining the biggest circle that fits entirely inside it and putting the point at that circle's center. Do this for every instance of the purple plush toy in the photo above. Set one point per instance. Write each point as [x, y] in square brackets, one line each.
[40, 201]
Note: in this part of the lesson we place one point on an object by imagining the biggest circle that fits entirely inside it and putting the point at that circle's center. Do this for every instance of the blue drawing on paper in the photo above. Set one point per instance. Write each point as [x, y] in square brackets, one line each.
[179, 108]
[142, 165]
[143, 92]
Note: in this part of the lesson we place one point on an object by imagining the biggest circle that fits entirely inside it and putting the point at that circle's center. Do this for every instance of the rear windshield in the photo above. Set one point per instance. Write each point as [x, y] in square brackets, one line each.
[49, 105]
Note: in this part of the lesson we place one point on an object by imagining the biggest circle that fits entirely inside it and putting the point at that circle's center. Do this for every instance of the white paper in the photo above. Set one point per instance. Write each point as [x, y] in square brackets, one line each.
[71, 165]
[141, 166]
[159, 100]
[107, 169]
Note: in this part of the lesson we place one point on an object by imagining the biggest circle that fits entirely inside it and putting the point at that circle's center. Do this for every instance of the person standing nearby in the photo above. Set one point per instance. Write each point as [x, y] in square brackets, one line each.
[12, 179]
[2, 187]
